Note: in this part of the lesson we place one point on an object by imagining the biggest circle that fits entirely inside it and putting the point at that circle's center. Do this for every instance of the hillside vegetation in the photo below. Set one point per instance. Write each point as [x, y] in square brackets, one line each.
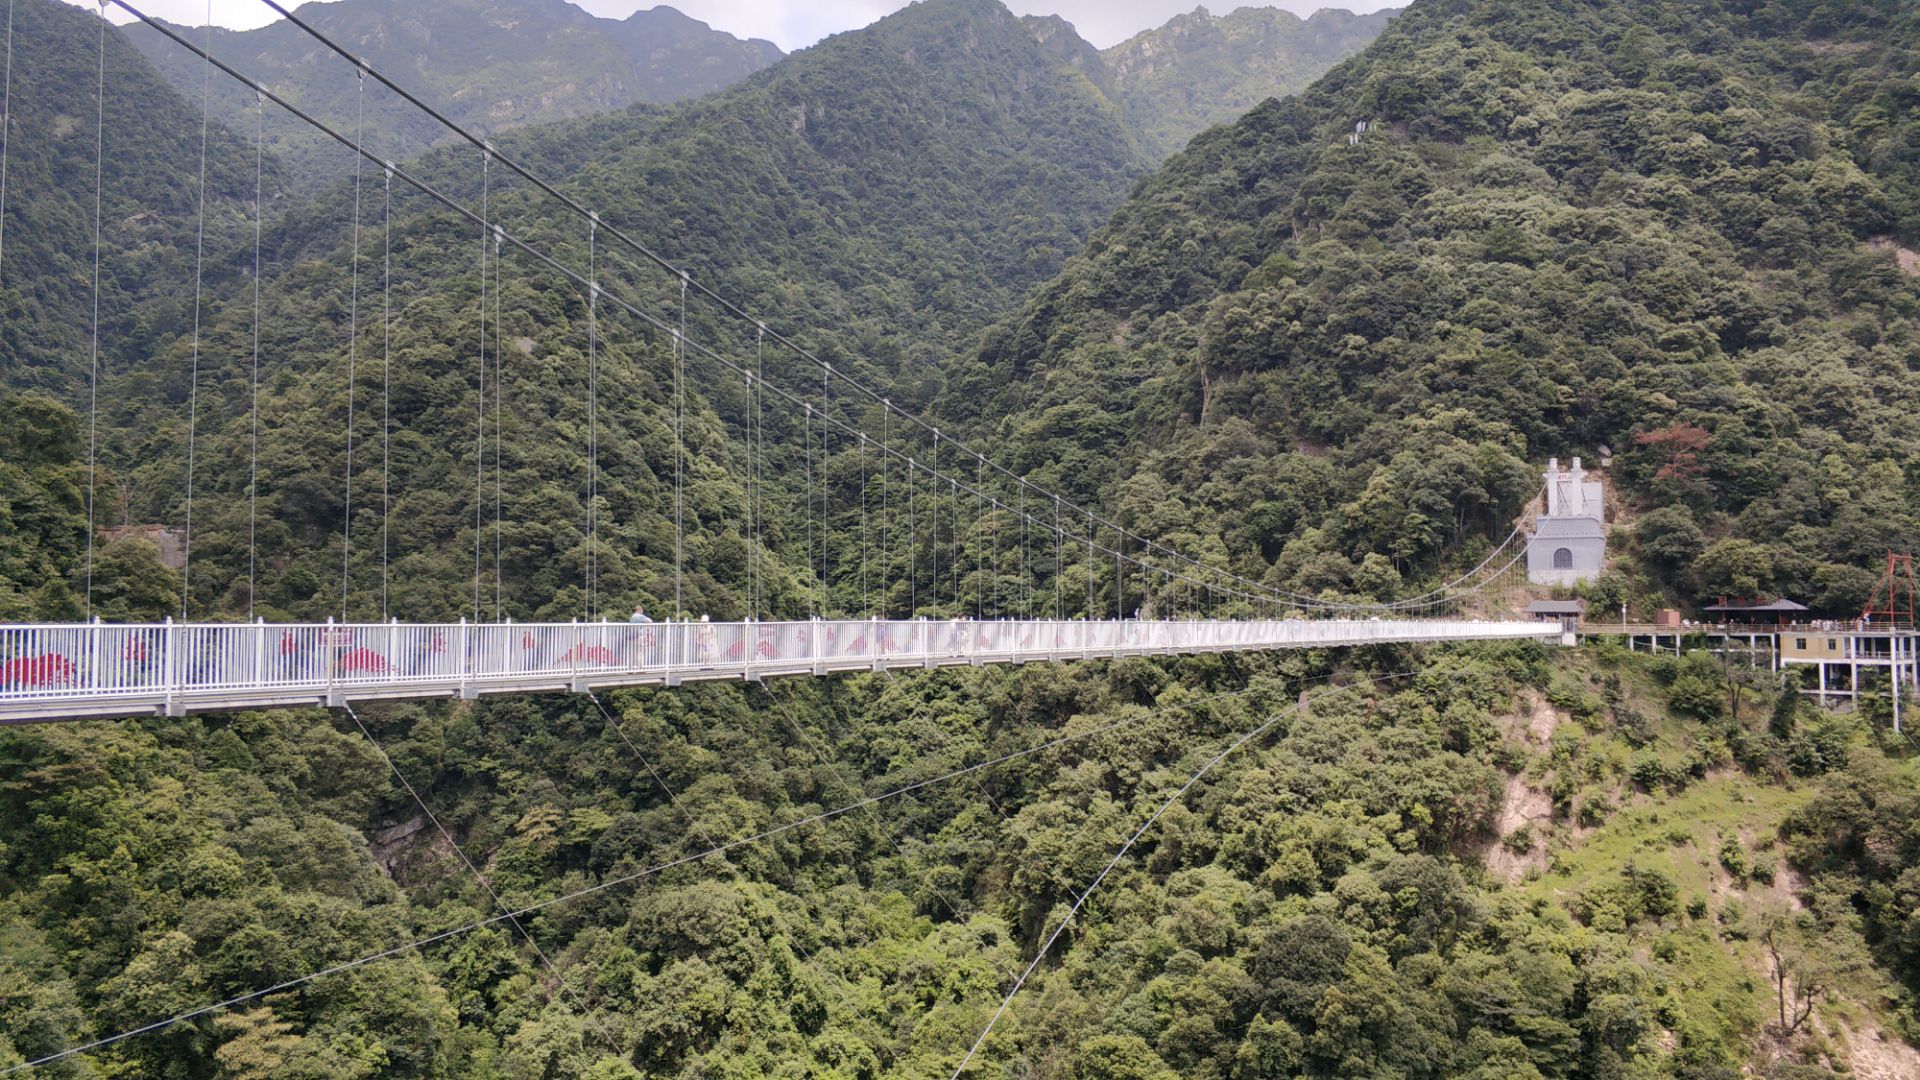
[493, 65]
[885, 195]
[149, 199]
[1317, 909]
[1673, 230]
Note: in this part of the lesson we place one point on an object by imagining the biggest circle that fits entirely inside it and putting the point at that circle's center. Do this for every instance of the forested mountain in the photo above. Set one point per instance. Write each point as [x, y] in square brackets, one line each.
[885, 195]
[1683, 232]
[1680, 228]
[1201, 69]
[149, 201]
[488, 64]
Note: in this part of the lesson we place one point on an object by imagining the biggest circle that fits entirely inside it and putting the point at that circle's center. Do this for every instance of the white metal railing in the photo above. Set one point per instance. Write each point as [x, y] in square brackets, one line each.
[54, 670]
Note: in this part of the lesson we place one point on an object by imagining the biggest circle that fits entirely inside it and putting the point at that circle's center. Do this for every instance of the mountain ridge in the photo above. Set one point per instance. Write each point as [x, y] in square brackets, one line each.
[1282, 282]
[521, 62]
[1199, 69]
[883, 195]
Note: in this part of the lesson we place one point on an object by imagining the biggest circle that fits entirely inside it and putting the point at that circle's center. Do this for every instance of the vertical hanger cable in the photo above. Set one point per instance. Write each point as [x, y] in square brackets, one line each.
[193, 377]
[93, 349]
[253, 380]
[353, 350]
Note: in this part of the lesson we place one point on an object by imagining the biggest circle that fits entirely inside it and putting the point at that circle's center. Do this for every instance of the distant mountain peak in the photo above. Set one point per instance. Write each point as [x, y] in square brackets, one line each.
[491, 64]
[1201, 69]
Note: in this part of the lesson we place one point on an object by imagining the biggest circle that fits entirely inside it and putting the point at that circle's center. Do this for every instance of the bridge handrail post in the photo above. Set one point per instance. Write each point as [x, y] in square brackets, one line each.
[93, 659]
[466, 657]
[169, 667]
[326, 656]
[260, 650]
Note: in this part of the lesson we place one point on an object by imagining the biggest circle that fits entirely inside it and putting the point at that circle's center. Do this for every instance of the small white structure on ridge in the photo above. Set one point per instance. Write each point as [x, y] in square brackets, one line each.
[1569, 541]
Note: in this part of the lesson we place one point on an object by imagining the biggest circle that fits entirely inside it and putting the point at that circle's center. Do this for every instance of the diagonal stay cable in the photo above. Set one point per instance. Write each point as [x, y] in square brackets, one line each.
[1262, 728]
[619, 729]
[507, 913]
[517, 914]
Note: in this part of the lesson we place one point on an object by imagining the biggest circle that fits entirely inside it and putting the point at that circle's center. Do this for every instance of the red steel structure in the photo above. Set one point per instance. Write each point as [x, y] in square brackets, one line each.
[1897, 597]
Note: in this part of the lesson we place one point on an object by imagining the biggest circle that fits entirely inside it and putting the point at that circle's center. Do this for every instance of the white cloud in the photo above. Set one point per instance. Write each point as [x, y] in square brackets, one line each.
[790, 24]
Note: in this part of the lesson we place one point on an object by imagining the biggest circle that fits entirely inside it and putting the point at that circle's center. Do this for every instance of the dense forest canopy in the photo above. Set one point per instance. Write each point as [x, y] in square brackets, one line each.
[885, 194]
[1683, 230]
[149, 192]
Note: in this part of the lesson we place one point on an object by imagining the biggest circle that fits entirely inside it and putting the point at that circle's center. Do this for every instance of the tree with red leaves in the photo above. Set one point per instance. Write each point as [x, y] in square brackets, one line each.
[1682, 444]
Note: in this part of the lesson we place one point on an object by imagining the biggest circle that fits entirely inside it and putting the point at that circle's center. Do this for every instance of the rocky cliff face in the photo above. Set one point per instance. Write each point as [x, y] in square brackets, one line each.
[1202, 69]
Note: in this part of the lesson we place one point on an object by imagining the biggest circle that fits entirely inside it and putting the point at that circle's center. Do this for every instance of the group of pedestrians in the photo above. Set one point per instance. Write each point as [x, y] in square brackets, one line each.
[706, 639]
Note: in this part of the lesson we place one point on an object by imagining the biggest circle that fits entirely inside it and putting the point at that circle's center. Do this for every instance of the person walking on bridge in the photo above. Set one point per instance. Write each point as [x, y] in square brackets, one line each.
[640, 642]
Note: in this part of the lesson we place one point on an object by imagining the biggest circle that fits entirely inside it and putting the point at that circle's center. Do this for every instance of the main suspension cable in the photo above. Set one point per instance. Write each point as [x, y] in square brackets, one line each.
[6, 133]
[1245, 586]
[723, 303]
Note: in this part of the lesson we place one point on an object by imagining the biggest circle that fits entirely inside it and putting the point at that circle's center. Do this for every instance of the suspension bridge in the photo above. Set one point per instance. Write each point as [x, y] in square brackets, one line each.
[94, 670]
[856, 618]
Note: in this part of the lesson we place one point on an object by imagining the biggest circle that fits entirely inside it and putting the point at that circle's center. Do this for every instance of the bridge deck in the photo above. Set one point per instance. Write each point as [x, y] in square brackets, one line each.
[75, 671]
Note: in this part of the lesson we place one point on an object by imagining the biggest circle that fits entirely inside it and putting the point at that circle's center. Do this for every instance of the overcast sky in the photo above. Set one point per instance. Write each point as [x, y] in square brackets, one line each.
[794, 24]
